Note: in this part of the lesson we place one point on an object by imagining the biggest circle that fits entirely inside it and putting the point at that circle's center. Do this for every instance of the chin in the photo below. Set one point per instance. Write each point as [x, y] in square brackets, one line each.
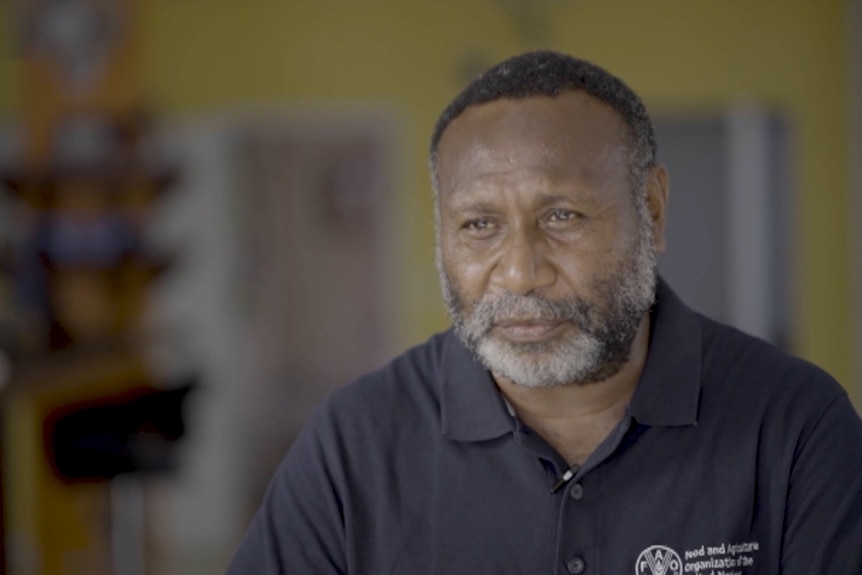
[544, 364]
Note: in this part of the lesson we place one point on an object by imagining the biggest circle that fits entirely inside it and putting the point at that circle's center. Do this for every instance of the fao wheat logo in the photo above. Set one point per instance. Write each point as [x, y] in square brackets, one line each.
[658, 560]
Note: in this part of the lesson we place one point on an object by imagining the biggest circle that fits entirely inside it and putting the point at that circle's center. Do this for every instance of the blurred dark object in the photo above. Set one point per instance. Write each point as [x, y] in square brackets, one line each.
[133, 433]
[80, 264]
[111, 153]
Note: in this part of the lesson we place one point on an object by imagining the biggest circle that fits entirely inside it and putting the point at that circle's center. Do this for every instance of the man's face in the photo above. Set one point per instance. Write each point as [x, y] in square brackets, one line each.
[546, 260]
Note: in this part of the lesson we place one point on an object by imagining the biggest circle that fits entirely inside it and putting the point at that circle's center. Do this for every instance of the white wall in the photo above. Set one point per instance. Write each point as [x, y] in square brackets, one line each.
[196, 514]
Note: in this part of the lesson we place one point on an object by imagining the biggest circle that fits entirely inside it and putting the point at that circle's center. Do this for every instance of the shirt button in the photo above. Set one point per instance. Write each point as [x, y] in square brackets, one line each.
[577, 492]
[576, 565]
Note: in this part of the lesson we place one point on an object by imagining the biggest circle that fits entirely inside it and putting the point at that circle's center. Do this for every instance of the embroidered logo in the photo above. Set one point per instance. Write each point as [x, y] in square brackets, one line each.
[658, 560]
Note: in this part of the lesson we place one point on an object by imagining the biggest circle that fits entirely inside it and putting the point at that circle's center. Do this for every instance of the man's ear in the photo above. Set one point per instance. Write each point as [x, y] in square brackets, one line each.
[657, 198]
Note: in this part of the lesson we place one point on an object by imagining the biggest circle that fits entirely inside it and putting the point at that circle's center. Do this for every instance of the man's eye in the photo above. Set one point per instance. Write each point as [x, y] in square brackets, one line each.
[562, 215]
[477, 225]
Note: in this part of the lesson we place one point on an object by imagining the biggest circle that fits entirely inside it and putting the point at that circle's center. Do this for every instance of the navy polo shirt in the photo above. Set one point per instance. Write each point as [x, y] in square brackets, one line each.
[732, 458]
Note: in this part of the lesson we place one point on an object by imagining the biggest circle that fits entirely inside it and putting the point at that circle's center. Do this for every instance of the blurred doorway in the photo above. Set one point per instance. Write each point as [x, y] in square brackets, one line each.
[287, 217]
[730, 212]
[315, 268]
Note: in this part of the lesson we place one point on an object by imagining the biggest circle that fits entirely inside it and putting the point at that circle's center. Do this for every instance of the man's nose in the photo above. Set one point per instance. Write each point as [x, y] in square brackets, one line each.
[523, 265]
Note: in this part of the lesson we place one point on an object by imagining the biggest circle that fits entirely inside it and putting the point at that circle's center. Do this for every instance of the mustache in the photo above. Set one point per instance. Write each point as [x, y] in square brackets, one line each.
[493, 310]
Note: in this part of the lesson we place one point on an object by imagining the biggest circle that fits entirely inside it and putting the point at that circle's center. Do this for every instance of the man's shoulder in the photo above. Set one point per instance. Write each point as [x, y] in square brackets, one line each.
[407, 386]
[736, 363]
[407, 373]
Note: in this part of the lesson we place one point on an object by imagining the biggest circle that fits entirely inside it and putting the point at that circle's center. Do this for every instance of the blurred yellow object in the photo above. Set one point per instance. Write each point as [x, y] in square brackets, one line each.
[54, 527]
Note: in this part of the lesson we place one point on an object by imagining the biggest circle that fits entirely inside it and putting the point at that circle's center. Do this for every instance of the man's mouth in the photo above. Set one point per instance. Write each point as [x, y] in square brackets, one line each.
[528, 329]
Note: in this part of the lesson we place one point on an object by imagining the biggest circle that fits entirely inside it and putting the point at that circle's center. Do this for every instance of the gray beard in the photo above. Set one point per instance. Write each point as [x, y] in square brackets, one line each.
[596, 349]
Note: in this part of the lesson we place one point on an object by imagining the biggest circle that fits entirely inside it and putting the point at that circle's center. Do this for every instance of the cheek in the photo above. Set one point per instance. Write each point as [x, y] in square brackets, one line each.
[468, 274]
[574, 272]
[581, 265]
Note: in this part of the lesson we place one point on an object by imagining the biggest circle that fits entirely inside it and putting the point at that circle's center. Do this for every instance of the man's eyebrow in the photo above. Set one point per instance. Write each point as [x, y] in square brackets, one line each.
[471, 205]
[483, 206]
[548, 200]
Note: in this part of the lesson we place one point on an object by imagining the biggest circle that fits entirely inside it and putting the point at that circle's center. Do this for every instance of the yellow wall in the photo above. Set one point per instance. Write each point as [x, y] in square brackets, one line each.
[206, 54]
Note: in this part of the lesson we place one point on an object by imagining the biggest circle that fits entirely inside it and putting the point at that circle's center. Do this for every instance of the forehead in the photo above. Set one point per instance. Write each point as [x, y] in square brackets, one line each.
[569, 135]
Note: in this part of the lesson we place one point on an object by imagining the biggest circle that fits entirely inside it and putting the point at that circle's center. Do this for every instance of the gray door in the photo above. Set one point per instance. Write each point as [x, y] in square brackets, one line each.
[729, 215]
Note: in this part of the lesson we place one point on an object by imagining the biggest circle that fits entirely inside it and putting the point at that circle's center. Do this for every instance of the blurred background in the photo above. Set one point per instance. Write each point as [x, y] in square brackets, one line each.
[214, 212]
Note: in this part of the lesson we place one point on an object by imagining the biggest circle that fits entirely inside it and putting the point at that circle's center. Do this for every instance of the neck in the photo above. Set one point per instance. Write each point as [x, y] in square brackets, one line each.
[610, 396]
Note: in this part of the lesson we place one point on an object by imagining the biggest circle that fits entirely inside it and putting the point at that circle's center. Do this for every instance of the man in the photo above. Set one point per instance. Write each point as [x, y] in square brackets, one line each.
[578, 418]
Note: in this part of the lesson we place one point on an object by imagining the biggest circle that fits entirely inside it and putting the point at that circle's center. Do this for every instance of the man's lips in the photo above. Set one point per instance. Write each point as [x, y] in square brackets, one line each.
[528, 330]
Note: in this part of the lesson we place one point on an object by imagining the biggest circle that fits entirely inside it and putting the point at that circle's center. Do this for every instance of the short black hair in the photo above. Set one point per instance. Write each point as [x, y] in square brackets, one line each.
[547, 73]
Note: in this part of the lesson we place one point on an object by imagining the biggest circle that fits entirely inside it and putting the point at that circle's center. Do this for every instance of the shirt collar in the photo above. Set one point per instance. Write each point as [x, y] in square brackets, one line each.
[473, 409]
[669, 388]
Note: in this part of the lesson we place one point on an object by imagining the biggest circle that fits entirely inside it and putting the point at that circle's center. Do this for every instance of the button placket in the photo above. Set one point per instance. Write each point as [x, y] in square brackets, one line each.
[577, 536]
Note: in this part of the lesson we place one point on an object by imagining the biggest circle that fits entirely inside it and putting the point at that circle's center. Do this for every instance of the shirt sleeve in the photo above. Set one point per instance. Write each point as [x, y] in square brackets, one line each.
[299, 528]
[823, 521]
